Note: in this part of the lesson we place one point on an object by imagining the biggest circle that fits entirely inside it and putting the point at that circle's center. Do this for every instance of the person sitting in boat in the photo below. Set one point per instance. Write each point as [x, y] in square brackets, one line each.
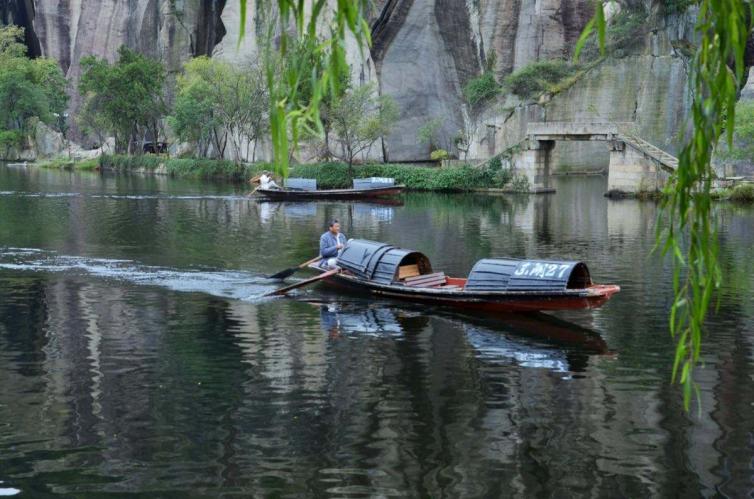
[331, 244]
[265, 181]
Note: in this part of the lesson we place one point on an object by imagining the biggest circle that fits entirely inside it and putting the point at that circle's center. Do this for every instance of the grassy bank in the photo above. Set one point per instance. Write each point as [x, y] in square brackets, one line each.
[180, 167]
[69, 164]
[741, 194]
[459, 178]
[328, 175]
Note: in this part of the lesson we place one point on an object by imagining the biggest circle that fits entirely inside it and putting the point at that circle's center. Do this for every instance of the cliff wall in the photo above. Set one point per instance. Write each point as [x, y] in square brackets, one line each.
[424, 53]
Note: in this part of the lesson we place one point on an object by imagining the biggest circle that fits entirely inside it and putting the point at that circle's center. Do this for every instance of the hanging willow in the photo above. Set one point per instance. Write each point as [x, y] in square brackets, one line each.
[305, 61]
[688, 230]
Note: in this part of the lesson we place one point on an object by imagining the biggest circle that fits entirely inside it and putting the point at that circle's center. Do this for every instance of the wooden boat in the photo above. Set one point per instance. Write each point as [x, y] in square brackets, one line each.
[288, 194]
[306, 189]
[494, 284]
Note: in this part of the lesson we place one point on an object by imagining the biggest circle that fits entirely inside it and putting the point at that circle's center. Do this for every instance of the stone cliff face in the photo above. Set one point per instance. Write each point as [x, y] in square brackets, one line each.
[424, 52]
[647, 90]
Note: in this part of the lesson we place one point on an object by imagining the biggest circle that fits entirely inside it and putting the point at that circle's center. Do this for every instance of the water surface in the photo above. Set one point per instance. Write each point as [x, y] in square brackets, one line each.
[136, 357]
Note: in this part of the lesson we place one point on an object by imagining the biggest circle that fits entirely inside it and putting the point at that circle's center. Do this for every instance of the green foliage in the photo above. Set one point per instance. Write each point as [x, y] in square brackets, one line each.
[690, 235]
[538, 77]
[328, 175]
[69, 164]
[620, 37]
[676, 6]
[743, 133]
[495, 164]
[743, 193]
[460, 178]
[359, 118]
[128, 96]
[520, 183]
[427, 133]
[296, 94]
[438, 155]
[218, 102]
[188, 167]
[481, 88]
[31, 90]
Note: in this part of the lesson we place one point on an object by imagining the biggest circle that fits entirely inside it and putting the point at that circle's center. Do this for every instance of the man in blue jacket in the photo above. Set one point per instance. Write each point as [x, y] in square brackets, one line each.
[331, 244]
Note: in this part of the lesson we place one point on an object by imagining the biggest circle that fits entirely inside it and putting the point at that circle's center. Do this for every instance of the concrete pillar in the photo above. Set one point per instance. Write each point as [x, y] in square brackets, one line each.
[630, 172]
[534, 163]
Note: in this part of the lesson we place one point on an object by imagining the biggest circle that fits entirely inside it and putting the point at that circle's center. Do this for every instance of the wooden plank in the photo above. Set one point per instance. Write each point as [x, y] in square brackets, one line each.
[427, 280]
[425, 277]
[406, 271]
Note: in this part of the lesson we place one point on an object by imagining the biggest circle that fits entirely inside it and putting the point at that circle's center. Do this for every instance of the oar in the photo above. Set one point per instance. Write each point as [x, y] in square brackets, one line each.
[301, 284]
[283, 274]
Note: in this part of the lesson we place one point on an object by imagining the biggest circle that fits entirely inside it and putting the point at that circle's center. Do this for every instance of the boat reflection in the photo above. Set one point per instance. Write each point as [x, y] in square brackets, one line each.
[397, 201]
[337, 320]
[529, 340]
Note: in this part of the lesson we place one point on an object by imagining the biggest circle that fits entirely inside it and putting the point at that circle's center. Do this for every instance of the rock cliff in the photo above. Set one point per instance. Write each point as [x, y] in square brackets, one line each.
[424, 52]
[647, 88]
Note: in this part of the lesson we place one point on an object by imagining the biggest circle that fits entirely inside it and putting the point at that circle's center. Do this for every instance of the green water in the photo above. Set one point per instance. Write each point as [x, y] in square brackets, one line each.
[137, 360]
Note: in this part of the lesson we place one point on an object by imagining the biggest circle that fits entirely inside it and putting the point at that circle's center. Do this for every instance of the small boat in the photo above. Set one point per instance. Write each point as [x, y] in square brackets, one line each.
[494, 284]
[306, 189]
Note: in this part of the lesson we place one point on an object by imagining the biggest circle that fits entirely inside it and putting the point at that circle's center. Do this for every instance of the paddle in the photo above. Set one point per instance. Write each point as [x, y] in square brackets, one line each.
[283, 274]
[301, 284]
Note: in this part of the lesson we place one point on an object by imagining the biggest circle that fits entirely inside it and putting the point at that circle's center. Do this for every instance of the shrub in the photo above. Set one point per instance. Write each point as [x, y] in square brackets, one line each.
[438, 155]
[328, 175]
[538, 77]
[743, 130]
[458, 178]
[624, 33]
[428, 133]
[743, 193]
[87, 164]
[676, 6]
[502, 177]
[520, 184]
[481, 88]
[190, 167]
[495, 163]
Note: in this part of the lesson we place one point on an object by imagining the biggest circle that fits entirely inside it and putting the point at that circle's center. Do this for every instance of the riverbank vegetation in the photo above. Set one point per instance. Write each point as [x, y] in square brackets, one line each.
[329, 175]
[125, 99]
[218, 103]
[32, 91]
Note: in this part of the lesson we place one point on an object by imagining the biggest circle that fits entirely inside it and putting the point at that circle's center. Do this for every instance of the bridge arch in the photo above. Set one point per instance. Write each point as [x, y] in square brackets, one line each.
[635, 164]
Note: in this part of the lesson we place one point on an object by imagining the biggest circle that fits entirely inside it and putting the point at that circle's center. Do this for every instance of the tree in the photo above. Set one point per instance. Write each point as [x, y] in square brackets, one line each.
[428, 133]
[219, 103]
[358, 119]
[299, 23]
[31, 90]
[129, 96]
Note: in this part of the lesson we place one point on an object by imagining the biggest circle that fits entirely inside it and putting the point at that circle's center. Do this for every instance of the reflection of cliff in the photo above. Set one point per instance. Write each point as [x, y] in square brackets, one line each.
[182, 390]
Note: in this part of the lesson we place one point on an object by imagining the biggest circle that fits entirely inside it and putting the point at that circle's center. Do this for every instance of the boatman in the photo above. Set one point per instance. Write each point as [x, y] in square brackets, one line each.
[265, 181]
[331, 244]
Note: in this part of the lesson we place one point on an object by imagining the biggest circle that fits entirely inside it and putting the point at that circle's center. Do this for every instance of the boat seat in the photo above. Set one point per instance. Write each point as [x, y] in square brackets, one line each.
[427, 280]
[406, 271]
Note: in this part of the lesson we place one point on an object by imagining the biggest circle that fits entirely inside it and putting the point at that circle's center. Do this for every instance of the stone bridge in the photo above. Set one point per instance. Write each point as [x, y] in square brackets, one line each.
[635, 164]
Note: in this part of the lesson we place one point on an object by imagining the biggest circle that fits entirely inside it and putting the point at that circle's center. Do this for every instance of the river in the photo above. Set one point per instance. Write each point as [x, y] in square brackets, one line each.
[137, 358]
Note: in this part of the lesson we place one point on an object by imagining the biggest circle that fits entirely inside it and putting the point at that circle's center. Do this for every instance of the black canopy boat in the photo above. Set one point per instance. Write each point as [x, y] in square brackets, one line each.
[494, 284]
[306, 189]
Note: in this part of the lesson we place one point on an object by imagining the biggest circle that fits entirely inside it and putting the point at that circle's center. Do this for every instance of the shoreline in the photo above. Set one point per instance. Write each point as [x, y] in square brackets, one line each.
[417, 178]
